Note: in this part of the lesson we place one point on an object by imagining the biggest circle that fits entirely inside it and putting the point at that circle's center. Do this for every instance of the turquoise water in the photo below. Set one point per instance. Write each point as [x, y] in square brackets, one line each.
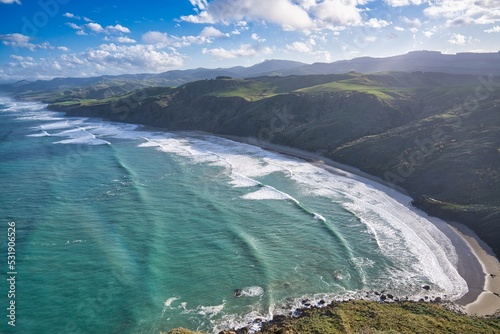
[121, 229]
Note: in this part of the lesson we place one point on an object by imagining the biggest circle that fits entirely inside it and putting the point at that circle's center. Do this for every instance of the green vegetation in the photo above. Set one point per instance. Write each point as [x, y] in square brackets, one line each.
[363, 317]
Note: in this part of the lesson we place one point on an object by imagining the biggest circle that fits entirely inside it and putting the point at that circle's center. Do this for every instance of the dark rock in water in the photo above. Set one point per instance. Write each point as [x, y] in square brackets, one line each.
[493, 275]
[238, 292]
[383, 297]
[438, 300]
[390, 296]
[307, 304]
[377, 293]
[426, 287]
[257, 321]
[304, 301]
[321, 302]
[421, 300]
[426, 297]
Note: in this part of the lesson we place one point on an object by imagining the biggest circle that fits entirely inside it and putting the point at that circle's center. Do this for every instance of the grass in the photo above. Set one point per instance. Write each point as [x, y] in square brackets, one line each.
[252, 92]
[381, 92]
[372, 317]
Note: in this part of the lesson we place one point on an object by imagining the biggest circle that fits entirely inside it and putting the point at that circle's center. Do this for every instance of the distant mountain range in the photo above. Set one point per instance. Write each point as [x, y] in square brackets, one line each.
[423, 61]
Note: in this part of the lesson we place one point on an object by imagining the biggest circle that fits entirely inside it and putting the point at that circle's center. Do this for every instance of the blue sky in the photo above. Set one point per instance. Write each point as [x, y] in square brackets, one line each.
[52, 38]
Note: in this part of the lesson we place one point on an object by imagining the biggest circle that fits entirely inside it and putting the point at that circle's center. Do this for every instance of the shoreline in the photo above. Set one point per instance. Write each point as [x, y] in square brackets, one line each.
[477, 263]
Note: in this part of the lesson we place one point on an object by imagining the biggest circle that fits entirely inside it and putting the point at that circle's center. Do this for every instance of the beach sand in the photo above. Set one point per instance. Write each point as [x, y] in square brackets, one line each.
[488, 302]
[477, 263]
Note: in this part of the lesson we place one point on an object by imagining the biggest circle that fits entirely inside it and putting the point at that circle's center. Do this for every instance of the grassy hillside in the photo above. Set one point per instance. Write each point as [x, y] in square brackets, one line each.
[363, 317]
[436, 135]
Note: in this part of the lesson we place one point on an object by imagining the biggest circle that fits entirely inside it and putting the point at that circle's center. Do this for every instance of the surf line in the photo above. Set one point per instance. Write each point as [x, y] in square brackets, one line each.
[326, 225]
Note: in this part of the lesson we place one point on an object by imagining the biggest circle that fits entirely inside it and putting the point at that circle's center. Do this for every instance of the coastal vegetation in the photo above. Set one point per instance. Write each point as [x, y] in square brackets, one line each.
[364, 317]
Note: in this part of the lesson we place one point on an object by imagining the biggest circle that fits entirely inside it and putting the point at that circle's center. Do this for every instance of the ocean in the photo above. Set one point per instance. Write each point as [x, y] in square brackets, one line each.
[125, 229]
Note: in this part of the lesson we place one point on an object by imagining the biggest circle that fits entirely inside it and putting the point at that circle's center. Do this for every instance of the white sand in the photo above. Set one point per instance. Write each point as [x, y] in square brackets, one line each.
[488, 302]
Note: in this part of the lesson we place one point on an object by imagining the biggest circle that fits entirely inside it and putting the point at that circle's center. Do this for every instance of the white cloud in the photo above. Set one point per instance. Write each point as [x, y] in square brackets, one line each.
[106, 59]
[457, 39]
[95, 27]
[63, 48]
[401, 3]
[399, 28]
[291, 15]
[494, 29]
[125, 39]
[257, 38]
[415, 23]
[118, 28]
[22, 41]
[464, 12]
[212, 32]
[134, 57]
[376, 23]
[338, 12]
[72, 16]
[245, 50]
[155, 37]
[99, 29]
[73, 26]
[281, 12]
[299, 47]
[10, 1]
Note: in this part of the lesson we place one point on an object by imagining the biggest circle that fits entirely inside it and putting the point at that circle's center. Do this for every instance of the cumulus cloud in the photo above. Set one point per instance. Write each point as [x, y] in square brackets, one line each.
[457, 39]
[281, 12]
[212, 32]
[155, 37]
[464, 12]
[10, 1]
[291, 15]
[401, 3]
[245, 50]
[415, 23]
[299, 47]
[338, 13]
[95, 27]
[257, 38]
[125, 39]
[207, 35]
[71, 16]
[63, 48]
[105, 59]
[494, 29]
[118, 28]
[134, 57]
[22, 41]
[376, 23]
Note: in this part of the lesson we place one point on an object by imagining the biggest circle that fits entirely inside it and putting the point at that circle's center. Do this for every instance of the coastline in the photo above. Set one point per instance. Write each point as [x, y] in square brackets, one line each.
[477, 263]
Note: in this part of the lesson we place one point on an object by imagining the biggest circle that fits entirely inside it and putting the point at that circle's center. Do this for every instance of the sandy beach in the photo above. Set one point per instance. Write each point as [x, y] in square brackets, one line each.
[477, 263]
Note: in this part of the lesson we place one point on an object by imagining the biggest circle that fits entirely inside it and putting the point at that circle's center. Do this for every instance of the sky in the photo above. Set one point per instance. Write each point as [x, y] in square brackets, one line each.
[42, 39]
